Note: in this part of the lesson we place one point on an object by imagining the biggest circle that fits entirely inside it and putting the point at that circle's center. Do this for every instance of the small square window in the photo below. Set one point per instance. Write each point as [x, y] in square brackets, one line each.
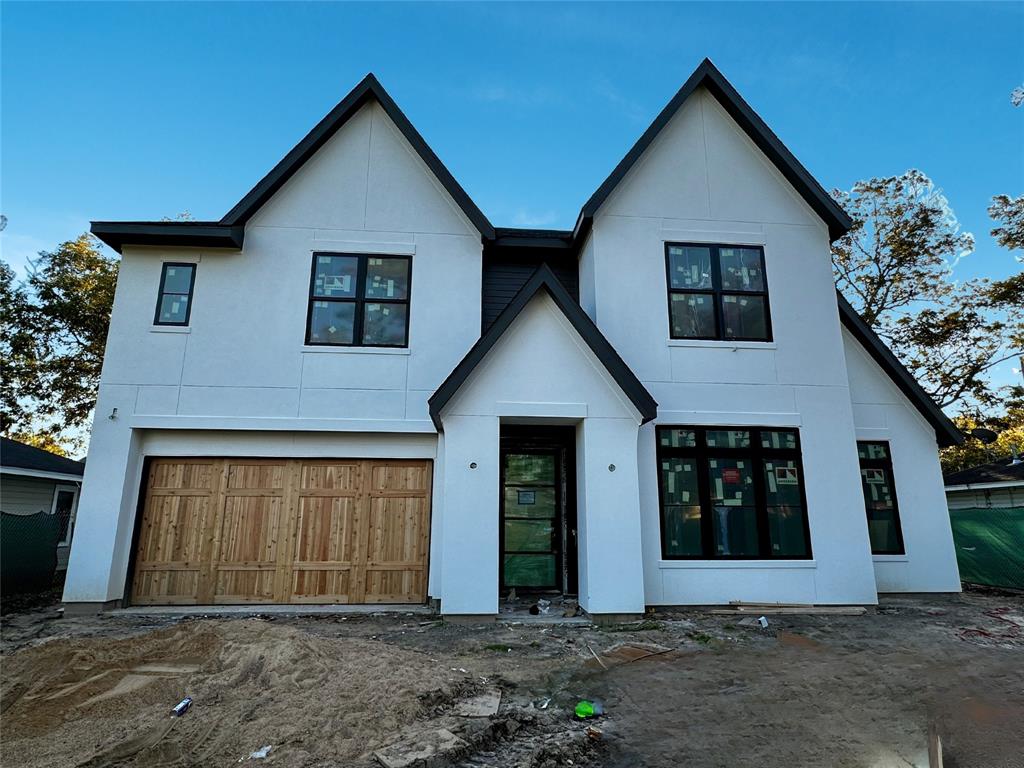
[717, 292]
[359, 300]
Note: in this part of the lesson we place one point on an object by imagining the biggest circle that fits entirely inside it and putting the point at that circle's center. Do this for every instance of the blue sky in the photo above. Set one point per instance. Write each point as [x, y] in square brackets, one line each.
[140, 111]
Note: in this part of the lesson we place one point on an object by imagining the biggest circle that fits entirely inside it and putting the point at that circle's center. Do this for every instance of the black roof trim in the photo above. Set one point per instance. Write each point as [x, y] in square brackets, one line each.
[945, 431]
[16, 455]
[544, 279]
[533, 238]
[197, 234]
[369, 88]
[708, 76]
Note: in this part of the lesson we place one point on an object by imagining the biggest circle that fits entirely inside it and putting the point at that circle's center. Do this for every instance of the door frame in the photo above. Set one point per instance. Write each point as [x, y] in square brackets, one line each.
[74, 489]
[561, 442]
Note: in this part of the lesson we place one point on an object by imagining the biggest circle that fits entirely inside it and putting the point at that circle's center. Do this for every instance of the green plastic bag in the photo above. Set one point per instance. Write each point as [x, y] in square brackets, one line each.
[585, 709]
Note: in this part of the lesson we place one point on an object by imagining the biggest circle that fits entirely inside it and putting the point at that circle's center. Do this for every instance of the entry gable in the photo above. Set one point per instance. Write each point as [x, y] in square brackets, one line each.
[544, 284]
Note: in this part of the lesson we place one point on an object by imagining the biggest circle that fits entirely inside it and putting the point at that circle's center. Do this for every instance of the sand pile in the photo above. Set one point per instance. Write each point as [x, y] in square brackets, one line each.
[318, 700]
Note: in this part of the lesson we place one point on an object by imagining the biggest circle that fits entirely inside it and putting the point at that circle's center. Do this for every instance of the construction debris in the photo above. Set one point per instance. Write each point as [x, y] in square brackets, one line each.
[792, 610]
[419, 748]
[482, 705]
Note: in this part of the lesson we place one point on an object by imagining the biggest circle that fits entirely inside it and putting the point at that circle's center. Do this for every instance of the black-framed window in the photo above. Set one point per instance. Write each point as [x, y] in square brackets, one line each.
[717, 292]
[359, 300]
[174, 300]
[731, 493]
[880, 498]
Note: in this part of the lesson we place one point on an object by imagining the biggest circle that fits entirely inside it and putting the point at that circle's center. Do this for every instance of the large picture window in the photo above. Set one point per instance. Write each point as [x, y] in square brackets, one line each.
[880, 498]
[731, 493]
[359, 300]
[717, 292]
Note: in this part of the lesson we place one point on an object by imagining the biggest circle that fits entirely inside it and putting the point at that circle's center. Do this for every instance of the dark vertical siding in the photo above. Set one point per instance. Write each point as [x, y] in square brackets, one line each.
[504, 274]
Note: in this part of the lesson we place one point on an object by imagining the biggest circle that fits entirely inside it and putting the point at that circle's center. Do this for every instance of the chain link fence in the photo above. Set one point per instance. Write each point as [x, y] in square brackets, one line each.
[990, 546]
[28, 551]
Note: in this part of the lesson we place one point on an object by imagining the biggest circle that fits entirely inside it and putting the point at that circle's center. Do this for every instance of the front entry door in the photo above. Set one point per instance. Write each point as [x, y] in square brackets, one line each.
[531, 531]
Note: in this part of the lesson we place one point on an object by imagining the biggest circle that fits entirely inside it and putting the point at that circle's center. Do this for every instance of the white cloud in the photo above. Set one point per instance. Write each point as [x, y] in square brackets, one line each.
[527, 218]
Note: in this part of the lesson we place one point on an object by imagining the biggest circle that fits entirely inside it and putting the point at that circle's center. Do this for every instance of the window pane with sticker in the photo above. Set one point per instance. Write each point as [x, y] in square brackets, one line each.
[785, 508]
[744, 317]
[693, 316]
[689, 267]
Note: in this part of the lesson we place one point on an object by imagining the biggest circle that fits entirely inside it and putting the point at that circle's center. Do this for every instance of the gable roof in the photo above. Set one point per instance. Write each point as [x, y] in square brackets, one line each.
[15, 455]
[543, 279]
[229, 232]
[707, 75]
[1002, 472]
[945, 431]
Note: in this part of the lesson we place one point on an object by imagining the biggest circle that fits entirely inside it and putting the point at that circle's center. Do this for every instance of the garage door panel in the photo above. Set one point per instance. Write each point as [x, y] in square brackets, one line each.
[322, 585]
[400, 477]
[329, 476]
[396, 530]
[245, 584]
[184, 475]
[249, 530]
[324, 530]
[271, 530]
[256, 476]
[167, 587]
[384, 585]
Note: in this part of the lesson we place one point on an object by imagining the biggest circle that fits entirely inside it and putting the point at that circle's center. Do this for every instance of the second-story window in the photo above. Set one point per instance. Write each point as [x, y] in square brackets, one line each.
[359, 300]
[717, 292]
[174, 301]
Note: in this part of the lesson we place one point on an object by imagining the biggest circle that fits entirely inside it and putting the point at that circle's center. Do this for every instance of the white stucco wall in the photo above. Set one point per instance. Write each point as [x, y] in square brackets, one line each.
[541, 371]
[703, 180]
[882, 412]
[242, 364]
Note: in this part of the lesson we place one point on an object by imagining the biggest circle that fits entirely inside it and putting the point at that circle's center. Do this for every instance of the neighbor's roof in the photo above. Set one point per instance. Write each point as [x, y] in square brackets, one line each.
[543, 279]
[995, 472]
[15, 455]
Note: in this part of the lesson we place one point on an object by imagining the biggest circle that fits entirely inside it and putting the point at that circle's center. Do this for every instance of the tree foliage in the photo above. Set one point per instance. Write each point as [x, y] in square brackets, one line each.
[54, 333]
[1009, 428]
[895, 266]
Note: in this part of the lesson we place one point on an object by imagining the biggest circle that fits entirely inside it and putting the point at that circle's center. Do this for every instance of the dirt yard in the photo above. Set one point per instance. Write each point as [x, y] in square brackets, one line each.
[680, 688]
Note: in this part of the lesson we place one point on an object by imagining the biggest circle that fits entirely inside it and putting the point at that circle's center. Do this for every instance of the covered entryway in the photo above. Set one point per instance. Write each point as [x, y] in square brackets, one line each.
[223, 530]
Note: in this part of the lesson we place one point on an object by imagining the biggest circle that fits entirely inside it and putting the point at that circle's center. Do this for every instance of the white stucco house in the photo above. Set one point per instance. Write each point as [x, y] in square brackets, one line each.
[354, 388]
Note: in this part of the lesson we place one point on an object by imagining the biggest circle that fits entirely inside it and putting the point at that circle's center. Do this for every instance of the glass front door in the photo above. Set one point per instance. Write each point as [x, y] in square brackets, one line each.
[531, 522]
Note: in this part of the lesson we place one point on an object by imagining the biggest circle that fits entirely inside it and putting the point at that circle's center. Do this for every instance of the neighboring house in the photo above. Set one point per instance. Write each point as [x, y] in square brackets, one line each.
[997, 484]
[354, 388]
[35, 481]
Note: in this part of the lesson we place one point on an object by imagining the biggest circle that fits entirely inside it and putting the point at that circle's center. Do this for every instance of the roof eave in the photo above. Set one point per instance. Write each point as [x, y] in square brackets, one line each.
[118, 234]
[946, 432]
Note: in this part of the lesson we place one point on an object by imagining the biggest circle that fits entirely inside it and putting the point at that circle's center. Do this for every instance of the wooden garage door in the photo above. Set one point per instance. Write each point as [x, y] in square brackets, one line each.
[283, 531]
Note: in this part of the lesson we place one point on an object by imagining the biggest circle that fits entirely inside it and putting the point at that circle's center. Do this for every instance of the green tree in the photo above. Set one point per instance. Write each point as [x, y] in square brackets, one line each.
[57, 334]
[895, 267]
[1010, 430]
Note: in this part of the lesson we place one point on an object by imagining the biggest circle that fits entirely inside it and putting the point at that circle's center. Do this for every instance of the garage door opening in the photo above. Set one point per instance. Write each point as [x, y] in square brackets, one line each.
[237, 531]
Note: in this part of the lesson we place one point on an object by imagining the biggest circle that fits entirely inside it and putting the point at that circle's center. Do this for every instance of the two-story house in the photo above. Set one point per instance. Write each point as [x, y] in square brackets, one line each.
[354, 389]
